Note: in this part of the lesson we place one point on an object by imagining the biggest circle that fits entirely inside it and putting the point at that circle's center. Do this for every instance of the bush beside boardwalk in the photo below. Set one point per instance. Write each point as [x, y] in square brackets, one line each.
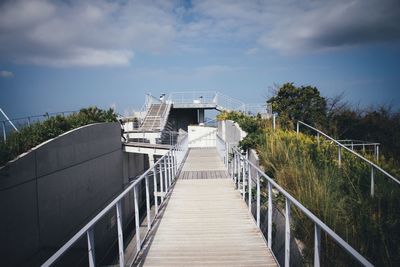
[339, 196]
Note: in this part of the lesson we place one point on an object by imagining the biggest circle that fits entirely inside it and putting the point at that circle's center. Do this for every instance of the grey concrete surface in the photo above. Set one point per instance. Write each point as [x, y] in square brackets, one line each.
[47, 194]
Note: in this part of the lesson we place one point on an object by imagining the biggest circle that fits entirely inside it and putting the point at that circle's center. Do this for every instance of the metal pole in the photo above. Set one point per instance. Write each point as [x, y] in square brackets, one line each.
[377, 153]
[249, 177]
[137, 221]
[91, 247]
[165, 175]
[318, 138]
[120, 235]
[4, 132]
[148, 203]
[269, 215]
[287, 232]
[372, 181]
[243, 179]
[8, 119]
[298, 128]
[340, 155]
[155, 189]
[258, 200]
[161, 182]
[317, 245]
[273, 121]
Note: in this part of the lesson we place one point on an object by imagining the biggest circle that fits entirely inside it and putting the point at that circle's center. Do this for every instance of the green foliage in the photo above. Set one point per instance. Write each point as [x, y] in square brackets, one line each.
[31, 136]
[340, 197]
[299, 103]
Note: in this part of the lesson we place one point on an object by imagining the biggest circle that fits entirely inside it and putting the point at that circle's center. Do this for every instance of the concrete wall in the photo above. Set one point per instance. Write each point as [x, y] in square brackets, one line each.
[50, 192]
[201, 136]
[231, 132]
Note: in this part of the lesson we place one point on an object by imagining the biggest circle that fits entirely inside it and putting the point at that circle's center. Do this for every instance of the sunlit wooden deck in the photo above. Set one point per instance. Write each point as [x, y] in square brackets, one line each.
[205, 221]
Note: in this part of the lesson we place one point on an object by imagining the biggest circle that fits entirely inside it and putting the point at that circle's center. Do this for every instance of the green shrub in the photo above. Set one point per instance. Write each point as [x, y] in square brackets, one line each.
[35, 134]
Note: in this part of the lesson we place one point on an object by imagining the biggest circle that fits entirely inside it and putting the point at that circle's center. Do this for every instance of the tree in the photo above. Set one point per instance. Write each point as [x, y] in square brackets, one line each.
[300, 103]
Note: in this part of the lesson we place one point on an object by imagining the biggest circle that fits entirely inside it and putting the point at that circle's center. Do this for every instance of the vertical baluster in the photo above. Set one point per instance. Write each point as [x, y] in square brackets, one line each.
[169, 170]
[4, 132]
[269, 215]
[244, 179]
[372, 181]
[287, 233]
[161, 181]
[120, 235]
[91, 247]
[317, 245]
[249, 177]
[165, 174]
[340, 155]
[155, 189]
[318, 138]
[297, 128]
[148, 203]
[137, 219]
[258, 199]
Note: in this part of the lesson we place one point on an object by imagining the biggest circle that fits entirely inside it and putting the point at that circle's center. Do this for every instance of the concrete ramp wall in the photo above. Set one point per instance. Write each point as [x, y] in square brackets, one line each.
[50, 192]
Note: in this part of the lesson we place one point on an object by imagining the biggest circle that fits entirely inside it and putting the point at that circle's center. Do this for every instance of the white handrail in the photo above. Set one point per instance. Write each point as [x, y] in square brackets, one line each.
[171, 162]
[373, 165]
[240, 170]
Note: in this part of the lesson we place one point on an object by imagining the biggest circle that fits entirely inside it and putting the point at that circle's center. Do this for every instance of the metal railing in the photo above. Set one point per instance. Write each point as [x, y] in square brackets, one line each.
[29, 120]
[242, 172]
[373, 166]
[364, 145]
[168, 167]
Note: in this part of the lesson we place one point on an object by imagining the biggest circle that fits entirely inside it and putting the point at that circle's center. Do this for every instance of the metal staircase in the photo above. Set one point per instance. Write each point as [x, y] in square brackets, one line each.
[156, 117]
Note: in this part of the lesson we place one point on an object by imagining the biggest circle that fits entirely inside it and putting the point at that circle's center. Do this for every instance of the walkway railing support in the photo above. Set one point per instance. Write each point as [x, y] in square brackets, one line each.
[91, 250]
[120, 235]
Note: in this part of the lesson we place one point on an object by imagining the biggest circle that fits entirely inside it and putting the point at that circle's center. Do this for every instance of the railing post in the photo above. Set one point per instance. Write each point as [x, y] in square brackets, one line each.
[169, 169]
[317, 245]
[249, 184]
[274, 121]
[269, 215]
[137, 219]
[298, 128]
[372, 181]
[377, 152]
[4, 132]
[166, 174]
[91, 247]
[161, 182]
[147, 203]
[244, 178]
[340, 155]
[318, 138]
[287, 232]
[120, 235]
[258, 200]
[155, 189]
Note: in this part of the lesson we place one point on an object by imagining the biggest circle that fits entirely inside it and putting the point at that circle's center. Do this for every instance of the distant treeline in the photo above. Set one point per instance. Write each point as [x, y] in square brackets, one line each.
[337, 118]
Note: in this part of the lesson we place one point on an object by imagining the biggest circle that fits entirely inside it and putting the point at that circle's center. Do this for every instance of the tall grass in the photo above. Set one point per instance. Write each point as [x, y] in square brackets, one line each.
[338, 196]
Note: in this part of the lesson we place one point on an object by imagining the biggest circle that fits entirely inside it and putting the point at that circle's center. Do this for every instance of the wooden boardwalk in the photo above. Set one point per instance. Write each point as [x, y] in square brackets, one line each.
[205, 222]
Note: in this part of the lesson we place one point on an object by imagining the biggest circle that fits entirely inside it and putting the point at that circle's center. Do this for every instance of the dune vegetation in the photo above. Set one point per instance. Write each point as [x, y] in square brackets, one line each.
[339, 195]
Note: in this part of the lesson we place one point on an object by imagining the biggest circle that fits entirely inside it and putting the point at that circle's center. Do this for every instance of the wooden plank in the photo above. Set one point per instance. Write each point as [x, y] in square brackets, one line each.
[206, 222]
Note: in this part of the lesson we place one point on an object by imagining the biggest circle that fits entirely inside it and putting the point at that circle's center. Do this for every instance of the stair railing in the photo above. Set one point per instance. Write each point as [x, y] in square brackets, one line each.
[243, 171]
[374, 167]
[167, 168]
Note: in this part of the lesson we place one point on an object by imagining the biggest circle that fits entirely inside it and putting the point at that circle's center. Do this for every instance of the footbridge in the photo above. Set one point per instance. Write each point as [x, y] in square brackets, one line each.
[201, 207]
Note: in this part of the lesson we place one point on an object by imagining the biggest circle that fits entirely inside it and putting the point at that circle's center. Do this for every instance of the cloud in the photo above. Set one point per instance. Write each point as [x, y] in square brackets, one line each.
[83, 33]
[89, 33]
[6, 74]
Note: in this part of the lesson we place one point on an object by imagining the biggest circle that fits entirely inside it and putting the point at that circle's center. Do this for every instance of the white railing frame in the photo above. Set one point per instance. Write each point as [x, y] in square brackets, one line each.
[171, 163]
[238, 166]
[340, 146]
